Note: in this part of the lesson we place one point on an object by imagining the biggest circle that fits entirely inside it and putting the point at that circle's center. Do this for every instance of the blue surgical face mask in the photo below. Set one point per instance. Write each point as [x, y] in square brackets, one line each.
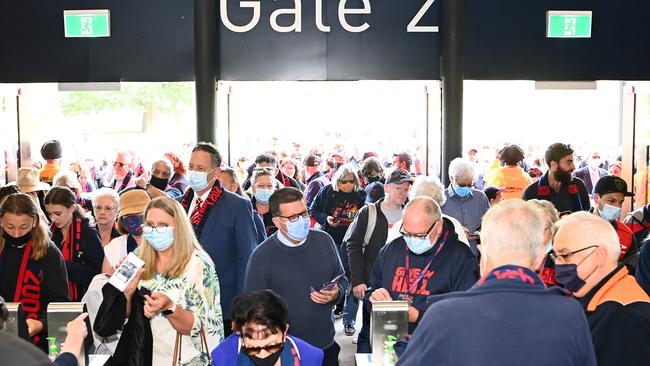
[610, 213]
[462, 191]
[298, 230]
[567, 275]
[160, 241]
[263, 195]
[418, 245]
[198, 181]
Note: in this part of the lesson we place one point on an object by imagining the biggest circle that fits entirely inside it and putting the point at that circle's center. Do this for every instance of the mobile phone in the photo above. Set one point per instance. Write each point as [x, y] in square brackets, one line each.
[332, 284]
[143, 291]
[126, 271]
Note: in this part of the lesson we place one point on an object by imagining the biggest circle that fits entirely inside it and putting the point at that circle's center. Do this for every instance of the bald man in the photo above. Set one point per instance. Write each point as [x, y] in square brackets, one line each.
[427, 259]
[509, 317]
[586, 250]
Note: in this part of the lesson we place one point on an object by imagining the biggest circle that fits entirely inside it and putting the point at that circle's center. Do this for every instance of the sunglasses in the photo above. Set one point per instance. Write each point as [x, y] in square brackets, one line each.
[116, 163]
[347, 181]
[270, 348]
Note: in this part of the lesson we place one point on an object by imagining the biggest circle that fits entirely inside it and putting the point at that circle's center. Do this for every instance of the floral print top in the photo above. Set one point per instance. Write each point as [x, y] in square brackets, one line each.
[196, 290]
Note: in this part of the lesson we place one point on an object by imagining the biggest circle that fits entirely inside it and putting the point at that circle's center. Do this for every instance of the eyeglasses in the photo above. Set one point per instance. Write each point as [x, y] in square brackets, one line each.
[116, 163]
[294, 218]
[148, 229]
[104, 208]
[346, 181]
[267, 169]
[418, 236]
[270, 348]
[564, 258]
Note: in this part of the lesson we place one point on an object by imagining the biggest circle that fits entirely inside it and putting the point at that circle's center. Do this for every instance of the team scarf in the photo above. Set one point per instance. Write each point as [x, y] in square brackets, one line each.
[28, 286]
[284, 179]
[125, 182]
[198, 221]
[544, 192]
[512, 273]
[71, 249]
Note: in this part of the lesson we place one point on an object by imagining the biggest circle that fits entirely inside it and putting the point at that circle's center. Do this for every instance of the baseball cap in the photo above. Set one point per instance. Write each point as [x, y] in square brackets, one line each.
[557, 151]
[312, 160]
[399, 176]
[374, 192]
[492, 192]
[611, 184]
[404, 157]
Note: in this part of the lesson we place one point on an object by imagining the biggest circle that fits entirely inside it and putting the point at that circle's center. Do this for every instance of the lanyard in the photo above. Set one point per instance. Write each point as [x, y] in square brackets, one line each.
[412, 286]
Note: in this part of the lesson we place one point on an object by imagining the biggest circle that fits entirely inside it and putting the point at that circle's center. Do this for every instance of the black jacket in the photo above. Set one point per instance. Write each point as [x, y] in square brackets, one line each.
[361, 262]
[136, 342]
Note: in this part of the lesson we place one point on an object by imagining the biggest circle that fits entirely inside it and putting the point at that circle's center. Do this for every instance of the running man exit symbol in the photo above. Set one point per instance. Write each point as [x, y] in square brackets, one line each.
[86, 26]
[569, 26]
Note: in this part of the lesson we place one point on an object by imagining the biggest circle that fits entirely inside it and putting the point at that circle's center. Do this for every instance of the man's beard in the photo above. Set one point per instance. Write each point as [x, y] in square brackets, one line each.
[562, 176]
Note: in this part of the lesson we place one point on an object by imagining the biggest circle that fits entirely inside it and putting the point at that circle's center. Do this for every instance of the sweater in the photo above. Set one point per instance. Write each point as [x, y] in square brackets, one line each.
[509, 319]
[339, 204]
[291, 272]
[453, 268]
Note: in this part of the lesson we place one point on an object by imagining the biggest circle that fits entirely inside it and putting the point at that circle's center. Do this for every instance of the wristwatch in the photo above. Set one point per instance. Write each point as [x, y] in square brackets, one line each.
[169, 311]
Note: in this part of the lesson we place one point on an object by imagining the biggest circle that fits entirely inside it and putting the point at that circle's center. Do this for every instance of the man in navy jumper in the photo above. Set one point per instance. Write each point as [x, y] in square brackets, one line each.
[509, 317]
[296, 262]
[428, 259]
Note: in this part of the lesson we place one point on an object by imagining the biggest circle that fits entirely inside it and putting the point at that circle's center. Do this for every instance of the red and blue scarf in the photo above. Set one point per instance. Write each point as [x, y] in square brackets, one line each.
[70, 247]
[199, 220]
[28, 286]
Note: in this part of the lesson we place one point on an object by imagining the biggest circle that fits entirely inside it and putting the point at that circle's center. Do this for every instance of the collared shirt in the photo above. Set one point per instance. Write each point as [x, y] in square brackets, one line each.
[594, 175]
[468, 210]
[282, 237]
[203, 197]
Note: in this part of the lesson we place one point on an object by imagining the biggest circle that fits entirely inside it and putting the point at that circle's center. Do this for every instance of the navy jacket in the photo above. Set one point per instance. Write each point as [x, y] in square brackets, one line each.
[583, 174]
[503, 322]
[229, 237]
[345, 206]
[454, 269]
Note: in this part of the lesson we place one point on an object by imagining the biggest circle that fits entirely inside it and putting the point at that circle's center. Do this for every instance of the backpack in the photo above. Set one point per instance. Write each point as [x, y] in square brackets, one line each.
[370, 228]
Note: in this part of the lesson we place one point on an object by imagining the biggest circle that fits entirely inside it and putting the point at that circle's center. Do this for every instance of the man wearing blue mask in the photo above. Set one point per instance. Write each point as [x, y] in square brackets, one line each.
[222, 221]
[465, 203]
[427, 259]
[303, 267]
[587, 250]
[609, 195]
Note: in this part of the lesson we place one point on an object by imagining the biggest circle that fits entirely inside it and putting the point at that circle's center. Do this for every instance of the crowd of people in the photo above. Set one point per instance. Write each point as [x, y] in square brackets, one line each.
[252, 264]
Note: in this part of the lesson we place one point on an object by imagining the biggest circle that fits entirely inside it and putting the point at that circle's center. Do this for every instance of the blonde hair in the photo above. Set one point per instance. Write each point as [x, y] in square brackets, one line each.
[66, 178]
[185, 243]
[22, 204]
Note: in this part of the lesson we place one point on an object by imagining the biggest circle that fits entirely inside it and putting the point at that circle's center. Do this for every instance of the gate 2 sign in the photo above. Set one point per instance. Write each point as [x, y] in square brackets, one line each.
[296, 12]
[329, 39]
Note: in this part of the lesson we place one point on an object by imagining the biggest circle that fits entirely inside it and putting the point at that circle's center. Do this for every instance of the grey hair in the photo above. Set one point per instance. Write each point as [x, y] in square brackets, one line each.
[341, 173]
[66, 178]
[261, 173]
[427, 204]
[512, 230]
[462, 167]
[168, 163]
[106, 192]
[429, 187]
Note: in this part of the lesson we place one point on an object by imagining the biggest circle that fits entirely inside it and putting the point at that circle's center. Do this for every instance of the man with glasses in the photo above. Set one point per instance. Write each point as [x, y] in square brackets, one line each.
[122, 173]
[269, 162]
[464, 202]
[591, 173]
[587, 250]
[428, 259]
[303, 267]
[568, 194]
[509, 317]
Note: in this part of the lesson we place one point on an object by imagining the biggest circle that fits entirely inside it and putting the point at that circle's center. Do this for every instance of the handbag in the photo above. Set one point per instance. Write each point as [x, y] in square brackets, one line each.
[178, 345]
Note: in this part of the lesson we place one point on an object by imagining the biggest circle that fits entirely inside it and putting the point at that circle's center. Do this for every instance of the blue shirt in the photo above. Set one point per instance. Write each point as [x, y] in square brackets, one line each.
[468, 210]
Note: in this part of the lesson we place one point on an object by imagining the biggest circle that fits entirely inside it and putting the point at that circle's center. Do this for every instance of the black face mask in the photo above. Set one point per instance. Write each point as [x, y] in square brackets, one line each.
[269, 361]
[17, 242]
[159, 182]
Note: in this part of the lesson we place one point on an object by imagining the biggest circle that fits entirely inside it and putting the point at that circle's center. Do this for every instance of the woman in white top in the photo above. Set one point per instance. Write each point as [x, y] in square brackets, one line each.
[183, 282]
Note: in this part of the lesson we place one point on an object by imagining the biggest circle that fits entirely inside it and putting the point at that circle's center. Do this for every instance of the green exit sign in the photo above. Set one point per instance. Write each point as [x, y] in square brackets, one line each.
[568, 24]
[87, 23]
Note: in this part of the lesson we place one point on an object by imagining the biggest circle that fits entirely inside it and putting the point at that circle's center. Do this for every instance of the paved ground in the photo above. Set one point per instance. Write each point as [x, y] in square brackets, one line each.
[346, 357]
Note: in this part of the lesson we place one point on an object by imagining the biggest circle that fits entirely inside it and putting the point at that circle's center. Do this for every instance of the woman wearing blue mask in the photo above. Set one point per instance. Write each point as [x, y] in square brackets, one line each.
[129, 223]
[184, 289]
[263, 184]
